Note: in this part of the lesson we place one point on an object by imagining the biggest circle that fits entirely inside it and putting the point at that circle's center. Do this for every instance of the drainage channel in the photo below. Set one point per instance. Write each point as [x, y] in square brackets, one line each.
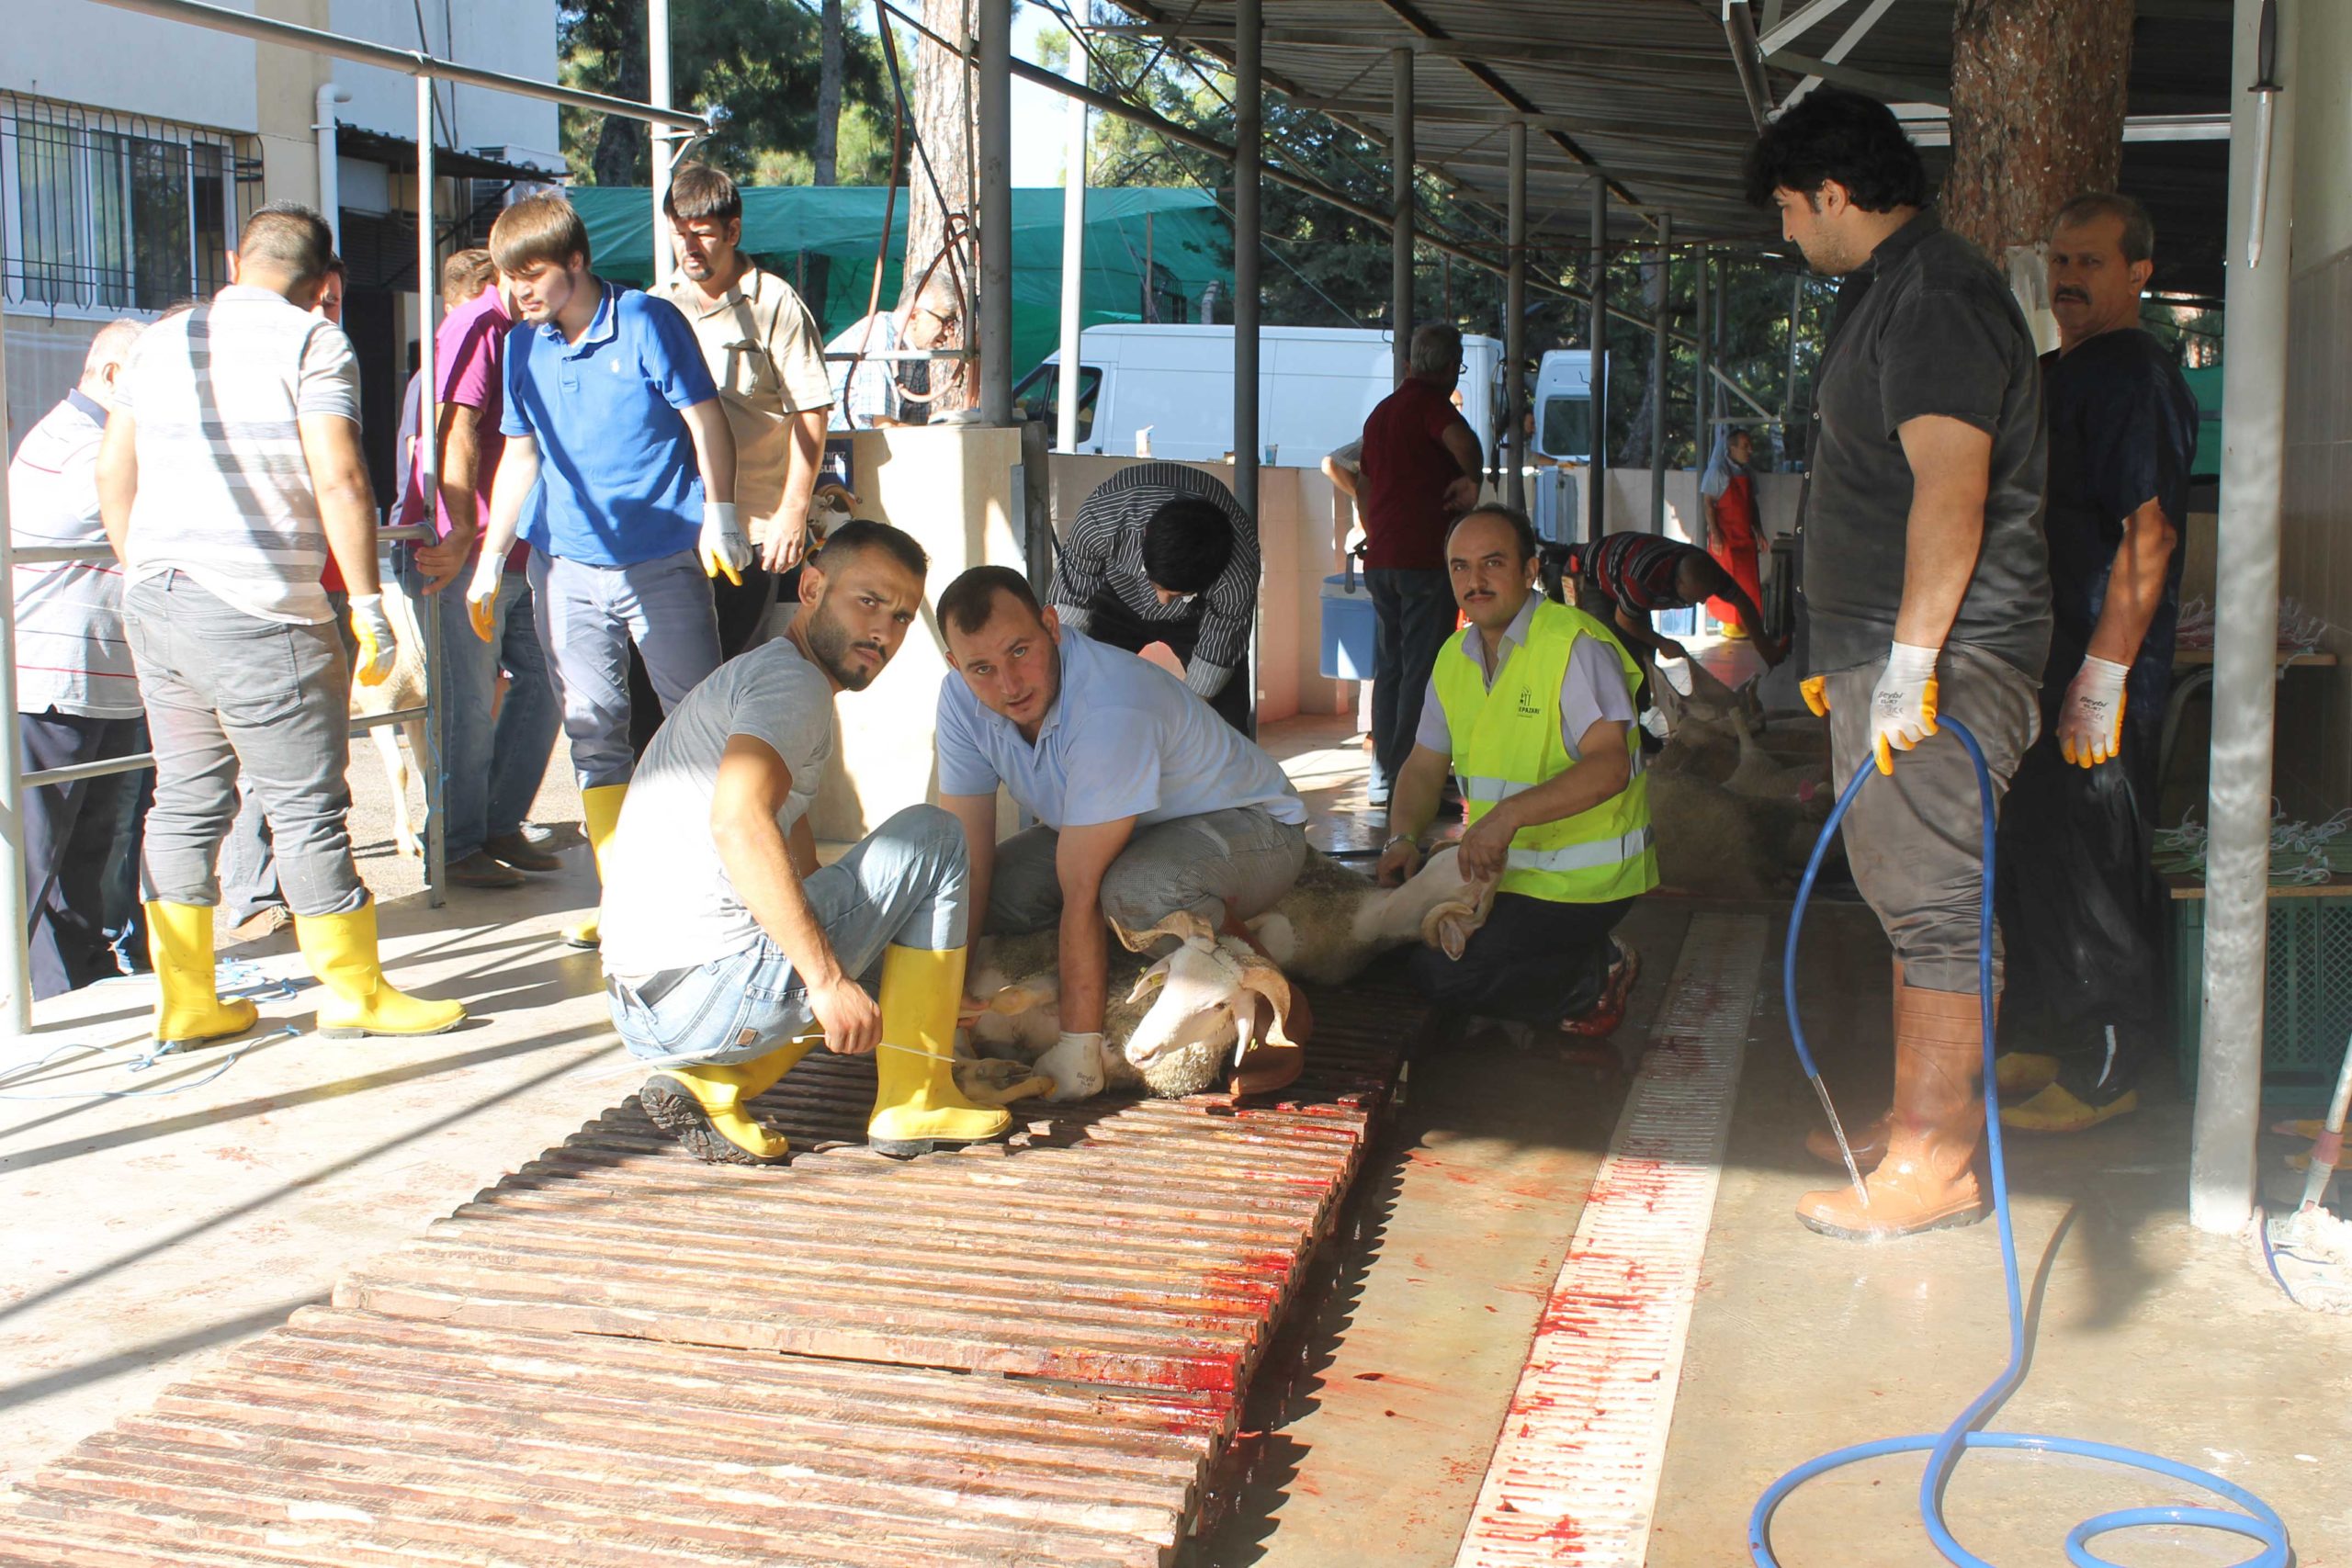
[621, 1358]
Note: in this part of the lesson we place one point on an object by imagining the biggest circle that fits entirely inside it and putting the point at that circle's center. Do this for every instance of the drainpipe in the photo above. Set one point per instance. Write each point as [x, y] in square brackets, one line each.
[658, 147]
[329, 170]
[1073, 251]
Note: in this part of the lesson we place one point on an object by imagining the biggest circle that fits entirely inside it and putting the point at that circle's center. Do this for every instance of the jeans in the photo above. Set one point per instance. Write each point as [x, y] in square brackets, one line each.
[479, 754]
[227, 695]
[1109, 621]
[1914, 840]
[1414, 614]
[1536, 961]
[588, 618]
[72, 834]
[903, 885]
[1236, 863]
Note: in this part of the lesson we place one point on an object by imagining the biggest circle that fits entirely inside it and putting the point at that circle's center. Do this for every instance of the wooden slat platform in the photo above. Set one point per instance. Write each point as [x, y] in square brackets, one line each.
[621, 1358]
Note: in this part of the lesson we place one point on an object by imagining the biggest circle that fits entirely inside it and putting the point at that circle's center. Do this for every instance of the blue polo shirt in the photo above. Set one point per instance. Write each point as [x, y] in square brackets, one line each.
[617, 462]
[1123, 738]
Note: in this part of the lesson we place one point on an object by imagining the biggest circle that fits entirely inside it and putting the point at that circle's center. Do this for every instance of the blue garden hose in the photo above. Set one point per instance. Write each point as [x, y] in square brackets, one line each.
[2252, 1518]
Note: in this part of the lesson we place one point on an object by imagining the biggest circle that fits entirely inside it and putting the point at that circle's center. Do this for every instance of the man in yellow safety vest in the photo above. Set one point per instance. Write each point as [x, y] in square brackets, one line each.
[1532, 705]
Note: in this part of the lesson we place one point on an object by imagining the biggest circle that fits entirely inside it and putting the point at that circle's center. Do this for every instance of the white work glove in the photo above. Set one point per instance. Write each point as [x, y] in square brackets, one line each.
[376, 644]
[1903, 703]
[1075, 1064]
[481, 594]
[2090, 723]
[724, 548]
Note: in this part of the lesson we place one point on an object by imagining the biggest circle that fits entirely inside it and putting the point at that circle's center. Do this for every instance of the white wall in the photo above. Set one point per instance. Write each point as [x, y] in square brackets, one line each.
[145, 64]
[514, 36]
[2322, 92]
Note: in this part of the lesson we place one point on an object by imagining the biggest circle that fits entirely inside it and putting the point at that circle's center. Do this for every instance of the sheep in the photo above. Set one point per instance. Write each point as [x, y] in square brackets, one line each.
[1731, 822]
[1170, 1023]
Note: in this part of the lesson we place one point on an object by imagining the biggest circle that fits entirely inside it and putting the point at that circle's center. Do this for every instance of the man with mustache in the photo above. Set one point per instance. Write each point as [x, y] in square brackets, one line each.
[1147, 802]
[729, 954]
[2081, 911]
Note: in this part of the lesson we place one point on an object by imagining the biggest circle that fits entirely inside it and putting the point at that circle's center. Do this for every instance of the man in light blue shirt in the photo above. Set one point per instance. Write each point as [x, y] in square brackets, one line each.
[1148, 804]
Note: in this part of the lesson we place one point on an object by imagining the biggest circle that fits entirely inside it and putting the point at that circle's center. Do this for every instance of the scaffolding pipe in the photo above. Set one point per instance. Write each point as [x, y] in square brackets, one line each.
[995, 202]
[1074, 252]
[17, 1003]
[1658, 389]
[428, 472]
[2245, 646]
[1249, 130]
[1596, 520]
[1702, 327]
[1400, 205]
[1513, 435]
[657, 78]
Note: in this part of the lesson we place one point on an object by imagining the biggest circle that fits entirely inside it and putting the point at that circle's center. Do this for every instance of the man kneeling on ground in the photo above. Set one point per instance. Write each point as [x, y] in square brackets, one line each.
[1532, 705]
[729, 954]
[1148, 804]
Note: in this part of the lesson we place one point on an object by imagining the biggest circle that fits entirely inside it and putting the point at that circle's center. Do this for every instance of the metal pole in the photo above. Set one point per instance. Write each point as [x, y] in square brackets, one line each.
[428, 468]
[1074, 252]
[1400, 203]
[1249, 136]
[1703, 393]
[2237, 878]
[1789, 398]
[329, 162]
[17, 1005]
[1515, 327]
[995, 95]
[657, 76]
[1658, 389]
[1596, 519]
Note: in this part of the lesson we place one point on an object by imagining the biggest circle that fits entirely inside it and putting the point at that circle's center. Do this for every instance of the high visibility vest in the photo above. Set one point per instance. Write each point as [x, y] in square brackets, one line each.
[1507, 740]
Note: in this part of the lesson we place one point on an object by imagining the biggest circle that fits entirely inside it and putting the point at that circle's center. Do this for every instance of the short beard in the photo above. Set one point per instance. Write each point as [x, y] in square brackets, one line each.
[828, 640]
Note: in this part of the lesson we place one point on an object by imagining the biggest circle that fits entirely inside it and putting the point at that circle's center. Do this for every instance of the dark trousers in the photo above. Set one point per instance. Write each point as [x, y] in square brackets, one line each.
[1109, 621]
[1534, 961]
[2082, 914]
[1413, 614]
[73, 836]
[741, 607]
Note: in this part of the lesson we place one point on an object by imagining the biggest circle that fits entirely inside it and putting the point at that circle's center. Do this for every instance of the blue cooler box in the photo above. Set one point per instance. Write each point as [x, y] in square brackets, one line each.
[1348, 628]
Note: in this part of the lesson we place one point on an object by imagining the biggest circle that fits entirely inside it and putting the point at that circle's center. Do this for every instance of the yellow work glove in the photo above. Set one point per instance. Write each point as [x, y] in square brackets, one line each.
[1903, 703]
[723, 547]
[1815, 692]
[376, 644]
[2090, 722]
[482, 596]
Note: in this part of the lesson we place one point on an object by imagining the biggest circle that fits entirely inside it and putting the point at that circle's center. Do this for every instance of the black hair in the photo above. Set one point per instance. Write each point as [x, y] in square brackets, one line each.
[1833, 134]
[1186, 544]
[966, 604]
[858, 535]
[293, 237]
[697, 191]
[2139, 237]
[1521, 525]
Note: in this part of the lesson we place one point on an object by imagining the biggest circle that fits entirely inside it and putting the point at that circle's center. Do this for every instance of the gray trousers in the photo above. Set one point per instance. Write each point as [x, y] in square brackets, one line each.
[589, 615]
[1237, 861]
[229, 694]
[1916, 841]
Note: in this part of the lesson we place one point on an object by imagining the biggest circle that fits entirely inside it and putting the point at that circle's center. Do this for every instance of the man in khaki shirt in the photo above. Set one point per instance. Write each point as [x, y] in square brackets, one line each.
[766, 356]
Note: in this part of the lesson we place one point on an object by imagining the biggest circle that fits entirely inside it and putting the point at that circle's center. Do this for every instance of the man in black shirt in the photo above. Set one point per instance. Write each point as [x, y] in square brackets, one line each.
[1928, 593]
[2081, 913]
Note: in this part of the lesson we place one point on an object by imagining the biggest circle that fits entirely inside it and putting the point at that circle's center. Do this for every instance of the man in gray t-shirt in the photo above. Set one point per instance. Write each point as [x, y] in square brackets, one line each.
[1926, 589]
[729, 954]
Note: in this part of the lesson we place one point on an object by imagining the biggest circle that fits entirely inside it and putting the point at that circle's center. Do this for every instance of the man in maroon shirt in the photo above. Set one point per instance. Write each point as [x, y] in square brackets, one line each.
[1420, 471]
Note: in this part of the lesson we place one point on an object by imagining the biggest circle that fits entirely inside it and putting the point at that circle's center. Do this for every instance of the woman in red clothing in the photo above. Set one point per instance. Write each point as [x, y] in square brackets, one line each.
[1727, 496]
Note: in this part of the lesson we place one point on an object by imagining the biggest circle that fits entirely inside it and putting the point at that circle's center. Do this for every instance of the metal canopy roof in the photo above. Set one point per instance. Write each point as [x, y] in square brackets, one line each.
[1646, 93]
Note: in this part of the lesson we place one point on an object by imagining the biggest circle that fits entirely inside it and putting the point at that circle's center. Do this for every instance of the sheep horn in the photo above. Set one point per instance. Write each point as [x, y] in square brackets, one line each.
[1264, 979]
[1183, 925]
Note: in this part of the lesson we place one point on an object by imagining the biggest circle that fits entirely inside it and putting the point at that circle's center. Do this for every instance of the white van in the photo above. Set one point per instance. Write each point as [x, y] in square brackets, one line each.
[1316, 384]
[1563, 405]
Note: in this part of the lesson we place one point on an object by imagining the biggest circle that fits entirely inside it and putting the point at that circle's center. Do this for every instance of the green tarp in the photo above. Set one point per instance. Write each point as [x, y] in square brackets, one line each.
[784, 226]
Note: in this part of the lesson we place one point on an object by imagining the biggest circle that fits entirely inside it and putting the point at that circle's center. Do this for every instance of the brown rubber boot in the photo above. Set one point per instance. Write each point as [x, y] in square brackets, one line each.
[1867, 1139]
[1928, 1178]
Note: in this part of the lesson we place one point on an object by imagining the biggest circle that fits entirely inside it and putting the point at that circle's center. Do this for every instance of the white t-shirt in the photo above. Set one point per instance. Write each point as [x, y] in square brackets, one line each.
[224, 491]
[668, 901]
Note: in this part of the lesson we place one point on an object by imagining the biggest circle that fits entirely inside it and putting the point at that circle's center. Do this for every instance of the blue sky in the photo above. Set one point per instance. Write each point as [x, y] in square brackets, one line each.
[1038, 127]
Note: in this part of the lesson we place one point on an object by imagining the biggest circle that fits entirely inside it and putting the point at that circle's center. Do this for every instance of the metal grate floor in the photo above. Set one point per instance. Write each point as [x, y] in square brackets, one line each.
[622, 1357]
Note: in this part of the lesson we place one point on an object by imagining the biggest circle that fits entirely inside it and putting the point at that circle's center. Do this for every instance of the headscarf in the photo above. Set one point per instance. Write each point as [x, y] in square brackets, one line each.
[1720, 466]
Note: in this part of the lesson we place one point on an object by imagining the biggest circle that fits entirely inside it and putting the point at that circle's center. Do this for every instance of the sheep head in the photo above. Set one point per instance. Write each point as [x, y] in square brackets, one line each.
[1205, 997]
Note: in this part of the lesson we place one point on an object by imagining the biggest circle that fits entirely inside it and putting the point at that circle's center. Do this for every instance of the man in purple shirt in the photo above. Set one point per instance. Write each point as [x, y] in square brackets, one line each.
[493, 768]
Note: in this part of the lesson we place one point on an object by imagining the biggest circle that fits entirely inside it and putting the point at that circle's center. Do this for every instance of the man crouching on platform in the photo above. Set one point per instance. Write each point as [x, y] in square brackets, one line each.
[729, 954]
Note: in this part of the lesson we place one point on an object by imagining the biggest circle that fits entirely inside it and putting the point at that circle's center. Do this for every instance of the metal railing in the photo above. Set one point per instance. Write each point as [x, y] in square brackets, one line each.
[16, 985]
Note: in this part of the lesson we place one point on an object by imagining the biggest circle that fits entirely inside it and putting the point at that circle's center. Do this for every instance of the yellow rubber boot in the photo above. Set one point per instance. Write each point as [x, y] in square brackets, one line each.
[340, 951]
[601, 809]
[2024, 1073]
[188, 1010]
[917, 1106]
[707, 1109]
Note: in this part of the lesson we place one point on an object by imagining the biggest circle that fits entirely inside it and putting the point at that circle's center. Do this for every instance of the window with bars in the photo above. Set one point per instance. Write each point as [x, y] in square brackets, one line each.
[106, 213]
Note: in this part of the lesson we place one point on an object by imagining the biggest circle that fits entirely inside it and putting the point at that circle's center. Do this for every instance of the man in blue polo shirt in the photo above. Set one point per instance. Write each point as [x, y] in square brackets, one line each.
[1148, 802]
[608, 401]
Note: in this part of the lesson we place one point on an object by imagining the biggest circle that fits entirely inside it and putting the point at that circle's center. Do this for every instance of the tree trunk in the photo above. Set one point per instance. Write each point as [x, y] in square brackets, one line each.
[943, 123]
[829, 90]
[2037, 113]
[622, 157]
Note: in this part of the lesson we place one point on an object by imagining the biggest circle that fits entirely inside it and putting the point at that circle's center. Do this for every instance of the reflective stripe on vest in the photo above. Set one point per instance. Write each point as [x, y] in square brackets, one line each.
[1581, 857]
